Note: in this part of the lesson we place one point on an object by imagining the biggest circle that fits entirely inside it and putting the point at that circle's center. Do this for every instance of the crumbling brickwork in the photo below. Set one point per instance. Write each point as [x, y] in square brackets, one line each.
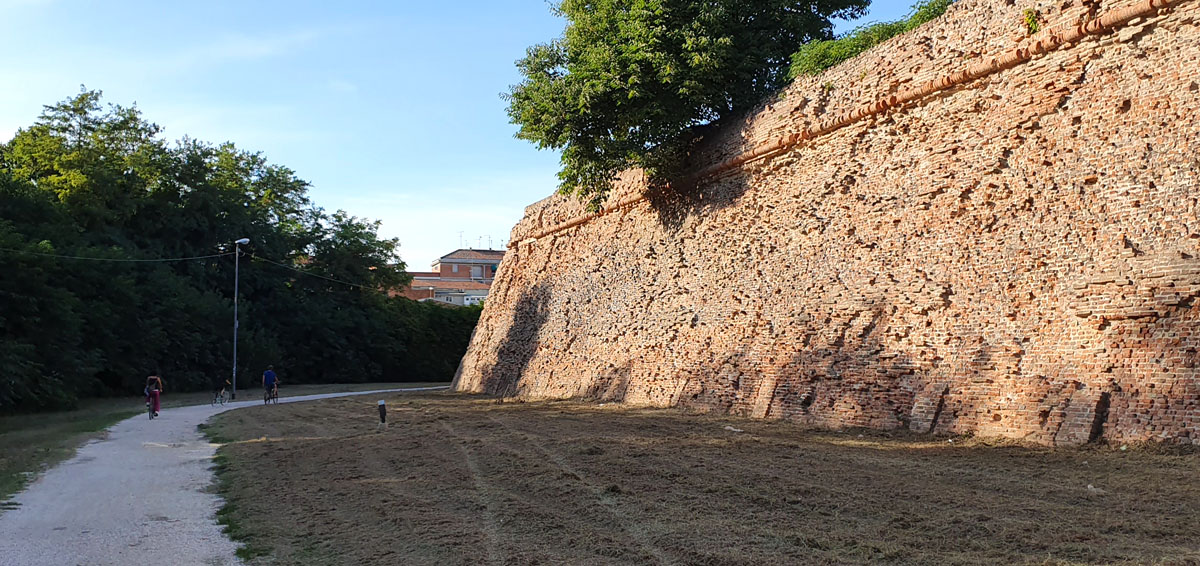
[1008, 253]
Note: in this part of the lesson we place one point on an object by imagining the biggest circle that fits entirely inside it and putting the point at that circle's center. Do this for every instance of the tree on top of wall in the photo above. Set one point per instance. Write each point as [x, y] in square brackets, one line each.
[629, 78]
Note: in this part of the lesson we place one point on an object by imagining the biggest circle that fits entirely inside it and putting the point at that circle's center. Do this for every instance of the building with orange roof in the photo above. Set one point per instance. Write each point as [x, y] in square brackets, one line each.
[461, 277]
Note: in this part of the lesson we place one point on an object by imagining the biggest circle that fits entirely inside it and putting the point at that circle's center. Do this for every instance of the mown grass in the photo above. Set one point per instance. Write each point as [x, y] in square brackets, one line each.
[469, 478]
[227, 515]
[228, 475]
[32, 443]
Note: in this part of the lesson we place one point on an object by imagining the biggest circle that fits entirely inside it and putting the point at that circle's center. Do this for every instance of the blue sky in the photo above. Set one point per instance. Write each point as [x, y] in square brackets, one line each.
[391, 110]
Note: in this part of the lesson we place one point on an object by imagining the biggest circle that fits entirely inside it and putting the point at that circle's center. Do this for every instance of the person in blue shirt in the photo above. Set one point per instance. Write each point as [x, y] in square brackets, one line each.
[270, 381]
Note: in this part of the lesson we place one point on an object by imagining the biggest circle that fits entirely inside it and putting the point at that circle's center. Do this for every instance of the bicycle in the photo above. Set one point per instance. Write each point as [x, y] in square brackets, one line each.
[218, 397]
[153, 392]
[271, 395]
[150, 403]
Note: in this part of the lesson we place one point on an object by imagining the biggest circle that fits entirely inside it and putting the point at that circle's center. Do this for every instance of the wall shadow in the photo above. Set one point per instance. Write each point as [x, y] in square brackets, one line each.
[675, 200]
[1160, 395]
[853, 381]
[520, 344]
[611, 385]
[851, 373]
[1145, 383]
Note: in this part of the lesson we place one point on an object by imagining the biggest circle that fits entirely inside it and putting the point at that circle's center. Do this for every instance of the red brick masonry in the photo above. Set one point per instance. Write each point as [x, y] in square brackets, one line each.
[963, 230]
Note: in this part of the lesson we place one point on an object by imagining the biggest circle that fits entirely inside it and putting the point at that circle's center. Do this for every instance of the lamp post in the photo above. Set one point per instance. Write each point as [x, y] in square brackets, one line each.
[237, 253]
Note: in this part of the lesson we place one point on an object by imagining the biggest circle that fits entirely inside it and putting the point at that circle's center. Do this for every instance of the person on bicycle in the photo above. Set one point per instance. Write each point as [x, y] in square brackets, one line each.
[219, 387]
[154, 387]
[270, 381]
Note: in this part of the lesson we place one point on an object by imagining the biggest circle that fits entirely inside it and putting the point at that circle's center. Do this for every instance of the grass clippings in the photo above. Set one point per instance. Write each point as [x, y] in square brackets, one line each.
[462, 480]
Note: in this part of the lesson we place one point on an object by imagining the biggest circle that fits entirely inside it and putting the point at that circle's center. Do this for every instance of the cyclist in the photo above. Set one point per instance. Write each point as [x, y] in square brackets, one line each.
[219, 391]
[154, 388]
[270, 381]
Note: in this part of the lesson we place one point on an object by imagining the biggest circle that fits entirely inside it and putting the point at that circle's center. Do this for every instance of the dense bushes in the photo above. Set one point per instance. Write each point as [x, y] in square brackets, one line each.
[817, 56]
[86, 183]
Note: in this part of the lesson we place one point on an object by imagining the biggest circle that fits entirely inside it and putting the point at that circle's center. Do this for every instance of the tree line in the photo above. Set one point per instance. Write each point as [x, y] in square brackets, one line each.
[117, 261]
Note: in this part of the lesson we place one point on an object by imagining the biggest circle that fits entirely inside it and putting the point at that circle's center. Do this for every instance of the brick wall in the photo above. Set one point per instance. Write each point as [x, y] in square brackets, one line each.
[464, 270]
[1016, 255]
[414, 294]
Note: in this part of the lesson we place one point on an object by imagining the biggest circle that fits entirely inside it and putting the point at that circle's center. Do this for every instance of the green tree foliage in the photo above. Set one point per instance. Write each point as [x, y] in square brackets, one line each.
[815, 57]
[91, 181]
[629, 78]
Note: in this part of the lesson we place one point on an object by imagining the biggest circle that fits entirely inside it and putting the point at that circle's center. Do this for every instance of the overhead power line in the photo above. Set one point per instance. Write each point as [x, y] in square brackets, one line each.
[297, 270]
[117, 260]
[189, 258]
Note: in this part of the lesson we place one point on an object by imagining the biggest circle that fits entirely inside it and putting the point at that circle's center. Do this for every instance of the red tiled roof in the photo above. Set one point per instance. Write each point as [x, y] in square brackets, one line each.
[475, 254]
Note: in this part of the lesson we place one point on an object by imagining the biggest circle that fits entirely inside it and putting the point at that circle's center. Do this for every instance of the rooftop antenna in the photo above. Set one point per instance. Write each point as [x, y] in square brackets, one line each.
[478, 242]
[460, 240]
[489, 237]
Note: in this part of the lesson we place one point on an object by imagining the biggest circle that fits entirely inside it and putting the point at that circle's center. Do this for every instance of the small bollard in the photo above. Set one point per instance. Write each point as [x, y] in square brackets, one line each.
[382, 415]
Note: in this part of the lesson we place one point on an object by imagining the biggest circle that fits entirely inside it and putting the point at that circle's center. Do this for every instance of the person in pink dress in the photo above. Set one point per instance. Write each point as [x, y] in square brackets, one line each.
[154, 387]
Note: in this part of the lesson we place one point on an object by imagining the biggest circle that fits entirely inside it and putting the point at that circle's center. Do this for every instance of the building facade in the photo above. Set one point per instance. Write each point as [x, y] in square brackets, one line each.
[461, 277]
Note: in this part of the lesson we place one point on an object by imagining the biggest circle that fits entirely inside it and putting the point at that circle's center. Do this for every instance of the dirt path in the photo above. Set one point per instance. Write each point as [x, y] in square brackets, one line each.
[136, 497]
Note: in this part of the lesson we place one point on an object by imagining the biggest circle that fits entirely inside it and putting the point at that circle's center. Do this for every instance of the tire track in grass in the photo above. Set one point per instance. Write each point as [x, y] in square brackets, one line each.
[638, 533]
[491, 528]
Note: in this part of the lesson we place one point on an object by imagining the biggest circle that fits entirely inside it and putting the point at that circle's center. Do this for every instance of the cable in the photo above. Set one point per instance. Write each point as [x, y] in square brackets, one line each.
[169, 259]
[253, 256]
[157, 260]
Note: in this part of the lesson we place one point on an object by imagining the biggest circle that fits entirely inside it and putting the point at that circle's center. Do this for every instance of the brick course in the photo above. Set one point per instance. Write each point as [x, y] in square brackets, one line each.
[1009, 254]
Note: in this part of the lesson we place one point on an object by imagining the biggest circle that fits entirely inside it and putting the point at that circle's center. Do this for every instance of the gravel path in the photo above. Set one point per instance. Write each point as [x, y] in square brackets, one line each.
[136, 497]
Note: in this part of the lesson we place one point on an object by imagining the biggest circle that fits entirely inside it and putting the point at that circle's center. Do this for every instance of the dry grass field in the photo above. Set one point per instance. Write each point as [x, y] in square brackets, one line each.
[467, 480]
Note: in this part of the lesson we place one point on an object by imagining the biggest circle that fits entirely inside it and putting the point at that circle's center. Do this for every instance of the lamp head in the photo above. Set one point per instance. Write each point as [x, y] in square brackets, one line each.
[243, 241]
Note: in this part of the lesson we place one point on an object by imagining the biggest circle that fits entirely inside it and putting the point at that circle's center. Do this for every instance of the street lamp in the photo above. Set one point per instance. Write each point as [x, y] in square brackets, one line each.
[237, 252]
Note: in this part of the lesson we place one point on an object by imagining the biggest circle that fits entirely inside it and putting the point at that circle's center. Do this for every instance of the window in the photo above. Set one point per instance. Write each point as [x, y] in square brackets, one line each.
[476, 271]
[454, 267]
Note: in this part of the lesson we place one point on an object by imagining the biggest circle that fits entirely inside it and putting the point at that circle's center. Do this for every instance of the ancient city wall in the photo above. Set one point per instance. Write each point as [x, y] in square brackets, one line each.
[966, 229]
